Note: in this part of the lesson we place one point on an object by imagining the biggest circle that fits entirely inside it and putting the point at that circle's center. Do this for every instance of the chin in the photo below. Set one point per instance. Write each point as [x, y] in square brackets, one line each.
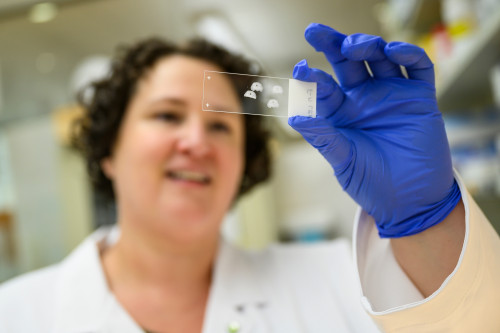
[186, 223]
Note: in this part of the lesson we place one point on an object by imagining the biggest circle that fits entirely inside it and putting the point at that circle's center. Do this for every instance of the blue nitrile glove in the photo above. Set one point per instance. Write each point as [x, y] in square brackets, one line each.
[383, 135]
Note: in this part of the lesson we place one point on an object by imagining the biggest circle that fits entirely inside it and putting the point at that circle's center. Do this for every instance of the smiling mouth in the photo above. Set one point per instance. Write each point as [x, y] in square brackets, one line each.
[189, 176]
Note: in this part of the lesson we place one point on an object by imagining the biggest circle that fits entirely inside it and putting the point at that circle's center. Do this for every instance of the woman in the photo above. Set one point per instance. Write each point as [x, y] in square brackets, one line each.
[175, 171]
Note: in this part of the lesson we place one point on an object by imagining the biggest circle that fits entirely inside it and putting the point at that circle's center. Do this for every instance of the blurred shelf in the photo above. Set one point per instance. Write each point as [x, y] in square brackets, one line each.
[473, 129]
[425, 15]
[468, 84]
[490, 205]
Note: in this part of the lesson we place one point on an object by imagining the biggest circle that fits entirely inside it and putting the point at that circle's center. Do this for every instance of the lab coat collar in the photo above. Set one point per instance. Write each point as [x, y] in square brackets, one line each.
[237, 290]
[241, 274]
[240, 290]
[83, 300]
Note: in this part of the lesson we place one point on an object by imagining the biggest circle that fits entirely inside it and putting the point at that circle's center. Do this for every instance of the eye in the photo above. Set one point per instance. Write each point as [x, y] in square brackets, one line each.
[220, 126]
[168, 116]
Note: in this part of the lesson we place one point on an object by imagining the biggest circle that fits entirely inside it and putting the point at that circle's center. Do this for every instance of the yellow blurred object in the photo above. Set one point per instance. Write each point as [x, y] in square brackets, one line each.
[62, 120]
[425, 42]
[461, 28]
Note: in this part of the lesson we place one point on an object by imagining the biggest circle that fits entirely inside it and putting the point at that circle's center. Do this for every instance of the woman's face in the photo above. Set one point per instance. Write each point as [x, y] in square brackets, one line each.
[175, 168]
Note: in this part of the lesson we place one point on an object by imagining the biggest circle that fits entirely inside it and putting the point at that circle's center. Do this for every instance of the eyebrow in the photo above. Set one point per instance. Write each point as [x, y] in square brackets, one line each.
[172, 100]
[180, 103]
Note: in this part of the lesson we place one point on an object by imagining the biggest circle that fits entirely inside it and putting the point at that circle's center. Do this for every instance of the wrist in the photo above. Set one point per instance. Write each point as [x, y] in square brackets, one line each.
[430, 256]
[421, 218]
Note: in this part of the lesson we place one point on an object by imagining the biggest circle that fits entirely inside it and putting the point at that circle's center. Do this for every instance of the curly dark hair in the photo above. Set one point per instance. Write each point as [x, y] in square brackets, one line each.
[95, 133]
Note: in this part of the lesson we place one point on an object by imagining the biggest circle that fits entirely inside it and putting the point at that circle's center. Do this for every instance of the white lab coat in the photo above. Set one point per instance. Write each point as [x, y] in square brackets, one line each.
[292, 288]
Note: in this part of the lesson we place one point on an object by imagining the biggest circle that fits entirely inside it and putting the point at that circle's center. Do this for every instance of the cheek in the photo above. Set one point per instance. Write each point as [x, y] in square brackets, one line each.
[233, 162]
[155, 146]
[141, 150]
[149, 143]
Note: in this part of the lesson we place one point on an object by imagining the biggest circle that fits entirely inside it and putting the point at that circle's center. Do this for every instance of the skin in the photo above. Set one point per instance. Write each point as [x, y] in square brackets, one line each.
[160, 269]
[430, 256]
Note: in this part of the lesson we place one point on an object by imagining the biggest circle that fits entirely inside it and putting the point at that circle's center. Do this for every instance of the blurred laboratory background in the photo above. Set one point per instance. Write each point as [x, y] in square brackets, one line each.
[50, 50]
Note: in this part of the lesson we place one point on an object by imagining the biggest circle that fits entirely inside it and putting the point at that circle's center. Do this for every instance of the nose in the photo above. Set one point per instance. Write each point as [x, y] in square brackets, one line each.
[193, 139]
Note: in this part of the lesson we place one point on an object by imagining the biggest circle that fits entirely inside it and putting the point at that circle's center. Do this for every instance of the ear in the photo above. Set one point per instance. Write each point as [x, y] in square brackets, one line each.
[107, 167]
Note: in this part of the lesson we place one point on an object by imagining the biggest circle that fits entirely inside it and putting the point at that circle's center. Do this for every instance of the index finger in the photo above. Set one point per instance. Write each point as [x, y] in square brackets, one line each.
[329, 41]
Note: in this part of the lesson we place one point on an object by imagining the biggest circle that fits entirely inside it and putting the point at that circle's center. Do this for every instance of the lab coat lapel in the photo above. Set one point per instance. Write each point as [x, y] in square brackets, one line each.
[84, 302]
[237, 294]
[245, 292]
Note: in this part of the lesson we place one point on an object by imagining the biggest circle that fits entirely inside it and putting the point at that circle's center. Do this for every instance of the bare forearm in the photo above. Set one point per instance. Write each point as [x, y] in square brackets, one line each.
[430, 256]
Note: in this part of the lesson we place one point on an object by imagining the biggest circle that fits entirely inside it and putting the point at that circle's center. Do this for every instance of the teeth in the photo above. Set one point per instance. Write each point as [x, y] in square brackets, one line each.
[189, 175]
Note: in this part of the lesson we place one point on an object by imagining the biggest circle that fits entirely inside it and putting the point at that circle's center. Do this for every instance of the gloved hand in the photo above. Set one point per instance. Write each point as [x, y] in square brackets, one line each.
[383, 135]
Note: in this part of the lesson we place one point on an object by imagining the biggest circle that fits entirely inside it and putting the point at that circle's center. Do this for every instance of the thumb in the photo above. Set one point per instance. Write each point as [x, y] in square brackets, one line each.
[328, 140]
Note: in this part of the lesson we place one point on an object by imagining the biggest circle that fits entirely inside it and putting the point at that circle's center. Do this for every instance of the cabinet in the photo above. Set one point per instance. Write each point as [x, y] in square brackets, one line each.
[466, 83]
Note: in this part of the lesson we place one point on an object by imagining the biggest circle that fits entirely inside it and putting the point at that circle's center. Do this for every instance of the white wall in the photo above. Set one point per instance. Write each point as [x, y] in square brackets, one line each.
[52, 211]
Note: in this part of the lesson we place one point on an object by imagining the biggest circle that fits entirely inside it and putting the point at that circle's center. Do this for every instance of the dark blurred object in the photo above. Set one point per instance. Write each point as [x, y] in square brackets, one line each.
[491, 208]
[7, 229]
[104, 210]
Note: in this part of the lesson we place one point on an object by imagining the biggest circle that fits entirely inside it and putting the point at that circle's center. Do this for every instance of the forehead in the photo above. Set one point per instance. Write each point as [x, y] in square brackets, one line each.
[182, 76]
